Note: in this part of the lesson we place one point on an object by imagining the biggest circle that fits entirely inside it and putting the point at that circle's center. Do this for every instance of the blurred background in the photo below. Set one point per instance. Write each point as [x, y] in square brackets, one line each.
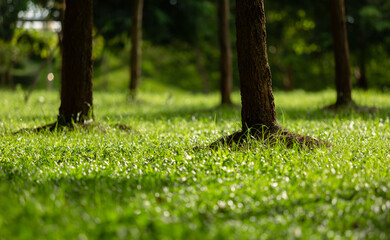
[181, 48]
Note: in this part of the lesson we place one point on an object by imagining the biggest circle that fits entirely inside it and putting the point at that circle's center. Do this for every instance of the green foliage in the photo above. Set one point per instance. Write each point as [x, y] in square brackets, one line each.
[9, 10]
[29, 48]
[35, 44]
[172, 67]
[149, 184]
[181, 41]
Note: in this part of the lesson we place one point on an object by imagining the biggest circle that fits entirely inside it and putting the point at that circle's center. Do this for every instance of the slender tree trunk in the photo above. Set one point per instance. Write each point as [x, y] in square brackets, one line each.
[49, 81]
[38, 74]
[341, 53]
[258, 108]
[288, 78]
[226, 52]
[362, 79]
[201, 69]
[76, 84]
[362, 82]
[3, 79]
[136, 46]
[10, 79]
[106, 71]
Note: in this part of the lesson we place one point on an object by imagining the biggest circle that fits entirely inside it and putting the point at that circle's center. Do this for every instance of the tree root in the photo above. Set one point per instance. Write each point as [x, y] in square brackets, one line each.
[272, 136]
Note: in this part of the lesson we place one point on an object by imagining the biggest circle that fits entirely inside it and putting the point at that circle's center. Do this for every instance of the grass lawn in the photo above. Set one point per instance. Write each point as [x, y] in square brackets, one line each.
[149, 184]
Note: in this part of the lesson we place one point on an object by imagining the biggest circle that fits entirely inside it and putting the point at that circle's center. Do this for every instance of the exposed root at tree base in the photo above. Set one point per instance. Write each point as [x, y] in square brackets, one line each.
[272, 136]
[86, 126]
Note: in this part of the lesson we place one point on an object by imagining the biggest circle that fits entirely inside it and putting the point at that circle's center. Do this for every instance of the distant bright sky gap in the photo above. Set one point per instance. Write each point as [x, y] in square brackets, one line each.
[30, 19]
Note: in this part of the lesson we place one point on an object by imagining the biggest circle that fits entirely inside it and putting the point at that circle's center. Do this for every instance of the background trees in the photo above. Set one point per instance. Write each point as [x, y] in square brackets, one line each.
[369, 25]
[300, 43]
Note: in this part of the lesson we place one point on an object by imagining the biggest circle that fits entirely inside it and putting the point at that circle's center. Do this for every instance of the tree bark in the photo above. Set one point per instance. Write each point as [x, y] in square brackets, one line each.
[341, 53]
[76, 84]
[200, 65]
[10, 79]
[106, 71]
[136, 46]
[288, 78]
[258, 108]
[3, 80]
[362, 82]
[258, 114]
[226, 52]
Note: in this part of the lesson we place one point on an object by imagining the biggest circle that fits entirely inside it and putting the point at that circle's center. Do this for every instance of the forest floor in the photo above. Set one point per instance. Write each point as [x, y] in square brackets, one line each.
[150, 183]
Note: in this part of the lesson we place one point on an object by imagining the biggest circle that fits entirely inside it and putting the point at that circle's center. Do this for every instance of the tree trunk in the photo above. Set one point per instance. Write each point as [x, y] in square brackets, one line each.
[288, 78]
[258, 108]
[258, 114]
[200, 65]
[10, 79]
[3, 79]
[136, 46]
[362, 82]
[48, 63]
[362, 79]
[226, 52]
[106, 71]
[341, 53]
[49, 80]
[76, 84]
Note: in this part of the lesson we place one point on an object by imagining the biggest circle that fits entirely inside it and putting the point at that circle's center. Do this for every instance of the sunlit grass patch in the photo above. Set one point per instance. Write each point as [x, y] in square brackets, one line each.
[152, 184]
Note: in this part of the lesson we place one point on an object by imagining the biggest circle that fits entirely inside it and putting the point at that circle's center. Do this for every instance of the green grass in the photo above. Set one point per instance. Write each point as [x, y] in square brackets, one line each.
[149, 184]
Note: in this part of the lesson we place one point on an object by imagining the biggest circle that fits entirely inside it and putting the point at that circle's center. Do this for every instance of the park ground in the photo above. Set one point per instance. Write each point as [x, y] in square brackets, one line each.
[148, 182]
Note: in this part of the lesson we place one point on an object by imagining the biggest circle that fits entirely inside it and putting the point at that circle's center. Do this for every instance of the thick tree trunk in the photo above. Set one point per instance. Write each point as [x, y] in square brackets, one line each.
[258, 114]
[76, 84]
[258, 108]
[136, 46]
[341, 53]
[226, 52]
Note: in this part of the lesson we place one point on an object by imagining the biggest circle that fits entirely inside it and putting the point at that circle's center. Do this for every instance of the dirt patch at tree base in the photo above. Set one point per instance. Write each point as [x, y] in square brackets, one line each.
[269, 136]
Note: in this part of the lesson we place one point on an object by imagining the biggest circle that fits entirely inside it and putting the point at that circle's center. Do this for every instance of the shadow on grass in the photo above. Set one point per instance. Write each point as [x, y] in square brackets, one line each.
[228, 113]
[90, 184]
[182, 113]
[364, 113]
[87, 126]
